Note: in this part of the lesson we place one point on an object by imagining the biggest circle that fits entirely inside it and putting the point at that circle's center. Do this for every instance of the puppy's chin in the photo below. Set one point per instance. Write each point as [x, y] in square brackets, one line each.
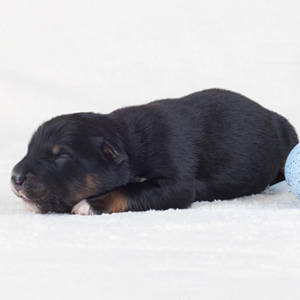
[30, 205]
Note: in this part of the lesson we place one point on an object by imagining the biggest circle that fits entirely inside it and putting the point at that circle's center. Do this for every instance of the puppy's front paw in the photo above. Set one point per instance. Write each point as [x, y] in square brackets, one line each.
[111, 202]
[82, 208]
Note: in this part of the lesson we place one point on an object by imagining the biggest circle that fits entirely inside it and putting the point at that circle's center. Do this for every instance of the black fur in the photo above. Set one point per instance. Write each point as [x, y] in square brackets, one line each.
[213, 144]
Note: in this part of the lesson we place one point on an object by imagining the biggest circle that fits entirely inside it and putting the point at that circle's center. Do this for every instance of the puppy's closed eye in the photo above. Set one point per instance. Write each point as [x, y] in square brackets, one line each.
[61, 159]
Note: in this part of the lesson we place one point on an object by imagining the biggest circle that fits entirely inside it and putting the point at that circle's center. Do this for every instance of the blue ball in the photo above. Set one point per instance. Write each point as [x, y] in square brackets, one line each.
[292, 171]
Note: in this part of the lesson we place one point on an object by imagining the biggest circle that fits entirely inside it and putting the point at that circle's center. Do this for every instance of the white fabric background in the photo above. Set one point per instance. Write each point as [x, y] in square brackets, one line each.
[97, 55]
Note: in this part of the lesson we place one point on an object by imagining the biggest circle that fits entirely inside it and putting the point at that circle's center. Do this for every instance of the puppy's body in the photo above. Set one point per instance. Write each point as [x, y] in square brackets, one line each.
[209, 145]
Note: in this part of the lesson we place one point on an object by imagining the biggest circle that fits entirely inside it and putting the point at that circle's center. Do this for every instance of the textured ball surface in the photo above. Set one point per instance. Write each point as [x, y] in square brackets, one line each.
[292, 170]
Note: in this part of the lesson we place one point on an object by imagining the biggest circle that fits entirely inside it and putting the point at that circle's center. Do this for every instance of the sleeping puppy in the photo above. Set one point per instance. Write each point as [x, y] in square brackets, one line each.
[213, 144]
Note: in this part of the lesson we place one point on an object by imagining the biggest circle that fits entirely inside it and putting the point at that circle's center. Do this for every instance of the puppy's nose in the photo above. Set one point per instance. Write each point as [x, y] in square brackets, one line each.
[18, 180]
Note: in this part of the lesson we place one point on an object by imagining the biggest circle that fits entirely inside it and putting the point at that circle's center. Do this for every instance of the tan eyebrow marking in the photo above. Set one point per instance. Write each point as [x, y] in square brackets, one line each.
[56, 149]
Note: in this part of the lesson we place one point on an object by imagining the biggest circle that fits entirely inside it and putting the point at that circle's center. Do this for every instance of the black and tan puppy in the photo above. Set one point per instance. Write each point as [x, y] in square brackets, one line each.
[209, 145]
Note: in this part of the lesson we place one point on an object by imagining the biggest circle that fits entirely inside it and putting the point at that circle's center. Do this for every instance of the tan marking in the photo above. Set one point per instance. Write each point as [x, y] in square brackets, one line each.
[114, 202]
[56, 149]
[90, 182]
[90, 188]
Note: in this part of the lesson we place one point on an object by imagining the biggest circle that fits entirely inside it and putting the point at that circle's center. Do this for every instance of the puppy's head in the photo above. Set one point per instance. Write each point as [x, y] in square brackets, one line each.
[71, 158]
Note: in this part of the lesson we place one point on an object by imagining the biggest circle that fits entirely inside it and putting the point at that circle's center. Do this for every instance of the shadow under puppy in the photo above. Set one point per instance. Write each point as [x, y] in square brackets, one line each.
[213, 144]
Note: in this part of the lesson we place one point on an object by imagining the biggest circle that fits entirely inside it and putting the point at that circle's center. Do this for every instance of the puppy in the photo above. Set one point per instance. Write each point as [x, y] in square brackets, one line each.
[213, 144]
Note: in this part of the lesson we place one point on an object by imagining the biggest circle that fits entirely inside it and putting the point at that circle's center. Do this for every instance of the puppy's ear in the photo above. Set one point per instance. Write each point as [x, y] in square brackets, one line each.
[117, 156]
